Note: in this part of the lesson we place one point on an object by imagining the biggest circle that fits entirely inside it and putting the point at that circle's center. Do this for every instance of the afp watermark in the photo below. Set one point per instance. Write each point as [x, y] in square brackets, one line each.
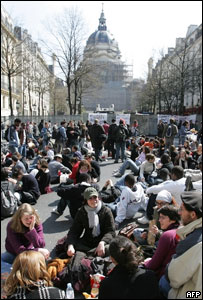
[192, 294]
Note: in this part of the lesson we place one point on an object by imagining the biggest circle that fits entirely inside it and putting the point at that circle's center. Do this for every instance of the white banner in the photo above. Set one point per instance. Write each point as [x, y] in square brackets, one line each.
[125, 117]
[166, 118]
[101, 117]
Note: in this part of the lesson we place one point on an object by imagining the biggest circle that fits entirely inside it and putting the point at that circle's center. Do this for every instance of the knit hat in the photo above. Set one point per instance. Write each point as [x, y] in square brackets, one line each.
[164, 196]
[193, 200]
[89, 192]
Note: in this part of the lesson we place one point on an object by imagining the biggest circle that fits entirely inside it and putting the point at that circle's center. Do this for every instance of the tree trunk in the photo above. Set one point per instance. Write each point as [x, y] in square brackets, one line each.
[10, 94]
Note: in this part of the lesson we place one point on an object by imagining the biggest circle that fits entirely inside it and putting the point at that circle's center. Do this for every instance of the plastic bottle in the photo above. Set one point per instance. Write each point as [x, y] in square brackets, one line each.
[69, 291]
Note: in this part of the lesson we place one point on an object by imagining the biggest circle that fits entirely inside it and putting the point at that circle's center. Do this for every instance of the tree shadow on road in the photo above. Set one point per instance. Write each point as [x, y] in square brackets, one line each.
[50, 225]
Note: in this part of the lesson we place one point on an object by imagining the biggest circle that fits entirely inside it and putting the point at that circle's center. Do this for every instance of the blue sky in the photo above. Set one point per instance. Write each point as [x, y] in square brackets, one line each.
[141, 28]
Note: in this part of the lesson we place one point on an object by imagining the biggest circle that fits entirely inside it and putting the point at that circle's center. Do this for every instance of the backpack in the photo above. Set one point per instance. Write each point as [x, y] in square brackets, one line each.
[120, 134]
[9, 203]
[54, 133]
[6, 134]
[169, 131]
[58, 135]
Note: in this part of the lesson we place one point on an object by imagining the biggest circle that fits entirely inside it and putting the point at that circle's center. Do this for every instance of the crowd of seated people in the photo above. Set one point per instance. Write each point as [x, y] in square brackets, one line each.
[162, 181]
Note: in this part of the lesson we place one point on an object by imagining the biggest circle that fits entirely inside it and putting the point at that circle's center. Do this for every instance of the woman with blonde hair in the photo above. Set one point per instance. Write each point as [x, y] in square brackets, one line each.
[29, 279]
[24, 232]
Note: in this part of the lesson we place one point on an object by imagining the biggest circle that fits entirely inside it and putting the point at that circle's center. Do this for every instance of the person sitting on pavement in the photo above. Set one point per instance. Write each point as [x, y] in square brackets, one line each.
[152, 234]
[76, 152]
[72, 195]
[175, 186]
[43, 176]
[134, 166]
[97, 223]
[25, 186]
[29, 279]
[169, 222]
[146, 169]
[50, 151]
[131, 199]
[109, 195]
[94, 164]
[24, 232]
[128, 280]
[85, 167]
[56, 168]
[16, 163]
[184, 272]
[184, 160]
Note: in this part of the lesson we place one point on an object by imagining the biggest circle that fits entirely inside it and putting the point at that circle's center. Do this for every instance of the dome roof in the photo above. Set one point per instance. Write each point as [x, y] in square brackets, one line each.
[102, 43]
[101, 36]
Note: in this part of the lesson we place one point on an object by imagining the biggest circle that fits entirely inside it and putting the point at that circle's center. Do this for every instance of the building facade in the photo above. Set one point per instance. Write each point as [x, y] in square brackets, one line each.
[113, 76]
[31, 76]
[177, 76]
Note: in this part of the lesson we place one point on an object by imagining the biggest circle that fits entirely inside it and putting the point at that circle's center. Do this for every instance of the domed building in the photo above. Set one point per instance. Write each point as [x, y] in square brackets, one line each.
[103, 52]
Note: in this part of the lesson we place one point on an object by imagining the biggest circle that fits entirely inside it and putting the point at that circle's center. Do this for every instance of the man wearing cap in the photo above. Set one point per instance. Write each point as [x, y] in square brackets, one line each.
[97, 223]
[55, 166]
[184, 272]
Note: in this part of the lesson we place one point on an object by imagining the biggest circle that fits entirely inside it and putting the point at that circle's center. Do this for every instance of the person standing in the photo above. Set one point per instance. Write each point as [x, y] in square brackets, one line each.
[160, 128]
[61, 137]
[169, 133]
[13, 138]
[97, 135]
[111, 138]
[121, 134]
[45, 134]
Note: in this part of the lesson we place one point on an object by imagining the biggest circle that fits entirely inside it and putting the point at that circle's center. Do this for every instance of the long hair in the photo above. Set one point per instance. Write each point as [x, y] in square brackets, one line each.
[16, 223]
[29, 267]
[125, 253]
[86, 164]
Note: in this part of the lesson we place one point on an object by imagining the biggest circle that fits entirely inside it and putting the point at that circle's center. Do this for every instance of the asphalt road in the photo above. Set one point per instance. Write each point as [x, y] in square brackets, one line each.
[55, 227]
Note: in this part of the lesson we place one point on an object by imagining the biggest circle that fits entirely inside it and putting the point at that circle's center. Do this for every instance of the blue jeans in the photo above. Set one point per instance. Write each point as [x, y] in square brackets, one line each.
[22, 150]
[164, 286]
[120, 146]
[129, 163]
[8, 257]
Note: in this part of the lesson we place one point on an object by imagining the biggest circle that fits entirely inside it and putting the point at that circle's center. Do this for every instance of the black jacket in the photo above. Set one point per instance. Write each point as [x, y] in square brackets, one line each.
[109, 195]
[30, 185]
[107, 228]
[73, 193]
[96, 133]
[142, 284]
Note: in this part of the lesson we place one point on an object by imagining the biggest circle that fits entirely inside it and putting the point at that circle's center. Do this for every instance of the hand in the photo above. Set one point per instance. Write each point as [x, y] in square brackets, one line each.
[110, 182]
[45, 252]
[71, 250]
[32, 224]
[107, 183]
[154, 230]
[143, 179]
[100, 250]
[14, 181]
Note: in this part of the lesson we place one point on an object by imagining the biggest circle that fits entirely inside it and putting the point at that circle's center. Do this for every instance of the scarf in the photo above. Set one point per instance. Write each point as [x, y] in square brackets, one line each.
[93, 218]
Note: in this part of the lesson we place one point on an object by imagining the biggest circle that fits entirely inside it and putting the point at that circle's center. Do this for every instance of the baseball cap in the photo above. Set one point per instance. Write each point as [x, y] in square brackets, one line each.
[89, 192]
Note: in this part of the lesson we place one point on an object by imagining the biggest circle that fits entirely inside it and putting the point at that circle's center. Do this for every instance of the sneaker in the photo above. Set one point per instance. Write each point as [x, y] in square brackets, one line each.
[144, 220]
[115, 171]
[117, 174]
[55, 211]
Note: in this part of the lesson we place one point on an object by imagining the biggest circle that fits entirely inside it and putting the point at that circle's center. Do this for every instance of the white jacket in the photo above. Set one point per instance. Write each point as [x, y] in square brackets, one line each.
[185, 271]
[130, 202]
[176, 188]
